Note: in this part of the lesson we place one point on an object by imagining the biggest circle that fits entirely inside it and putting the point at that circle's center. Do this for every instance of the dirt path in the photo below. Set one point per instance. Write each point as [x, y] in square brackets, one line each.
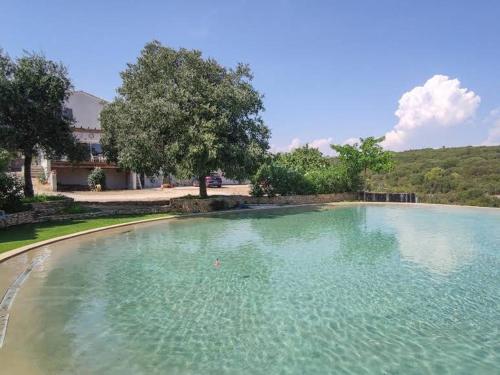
[151, 194]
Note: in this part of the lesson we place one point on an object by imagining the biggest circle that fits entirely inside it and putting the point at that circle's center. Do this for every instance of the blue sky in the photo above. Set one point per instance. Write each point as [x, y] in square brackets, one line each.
[329, 70]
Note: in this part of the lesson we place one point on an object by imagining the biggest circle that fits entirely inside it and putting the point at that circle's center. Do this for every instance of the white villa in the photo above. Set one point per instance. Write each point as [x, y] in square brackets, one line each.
[64, 175]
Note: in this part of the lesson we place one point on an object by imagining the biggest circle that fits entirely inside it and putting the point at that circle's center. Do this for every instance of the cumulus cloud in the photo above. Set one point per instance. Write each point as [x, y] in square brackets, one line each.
[494, 132]
[296, 143]
[350, 141]
[440, 102]
[323, 144]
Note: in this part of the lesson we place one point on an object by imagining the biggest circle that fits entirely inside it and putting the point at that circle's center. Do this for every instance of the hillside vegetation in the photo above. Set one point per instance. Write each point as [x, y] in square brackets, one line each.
[462, 175]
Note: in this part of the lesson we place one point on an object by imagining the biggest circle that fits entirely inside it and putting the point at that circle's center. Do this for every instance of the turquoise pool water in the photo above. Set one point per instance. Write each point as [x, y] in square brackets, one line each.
[346, 290]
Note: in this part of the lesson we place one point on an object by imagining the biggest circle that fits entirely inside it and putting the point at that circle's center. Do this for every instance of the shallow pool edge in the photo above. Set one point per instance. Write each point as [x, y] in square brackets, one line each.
[23, 249]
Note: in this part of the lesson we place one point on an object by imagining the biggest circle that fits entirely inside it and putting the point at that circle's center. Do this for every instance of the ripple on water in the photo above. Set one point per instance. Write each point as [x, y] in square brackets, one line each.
[352, 290]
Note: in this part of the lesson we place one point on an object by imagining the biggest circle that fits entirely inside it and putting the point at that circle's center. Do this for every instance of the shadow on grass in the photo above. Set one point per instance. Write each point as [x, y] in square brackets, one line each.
[29, 233]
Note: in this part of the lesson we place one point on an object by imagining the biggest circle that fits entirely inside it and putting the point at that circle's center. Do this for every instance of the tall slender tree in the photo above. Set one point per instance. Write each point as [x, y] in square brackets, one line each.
[32, 95]
[365, 156]
[180, 113]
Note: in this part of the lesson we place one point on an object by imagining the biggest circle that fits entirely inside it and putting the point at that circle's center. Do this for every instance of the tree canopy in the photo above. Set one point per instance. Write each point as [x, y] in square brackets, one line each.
[180, 113]
[365, 156]
[303, 159]
[304, 170]
[32, 95]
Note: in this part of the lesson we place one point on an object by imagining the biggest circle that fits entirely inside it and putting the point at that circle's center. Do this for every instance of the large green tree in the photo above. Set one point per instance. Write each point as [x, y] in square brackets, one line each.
[364, 156]
[303, 159]
[32, 95]
[180, 113]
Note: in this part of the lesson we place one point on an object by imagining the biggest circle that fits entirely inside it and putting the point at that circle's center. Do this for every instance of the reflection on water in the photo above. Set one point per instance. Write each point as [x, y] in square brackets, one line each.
[343, 290]
[441, 243]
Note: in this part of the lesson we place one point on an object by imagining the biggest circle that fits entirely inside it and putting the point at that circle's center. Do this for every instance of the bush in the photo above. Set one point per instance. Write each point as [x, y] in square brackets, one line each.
[42, 178]
[97, 177]
[11, 193]
[274, 179]
[333, 179]
[4, 159]
[256, 191]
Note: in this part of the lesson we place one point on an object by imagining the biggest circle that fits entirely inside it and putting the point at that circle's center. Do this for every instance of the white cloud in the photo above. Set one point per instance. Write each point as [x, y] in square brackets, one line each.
[494, 132]
[296, 143]
[351, 141]
[440, 102]
[323, 144]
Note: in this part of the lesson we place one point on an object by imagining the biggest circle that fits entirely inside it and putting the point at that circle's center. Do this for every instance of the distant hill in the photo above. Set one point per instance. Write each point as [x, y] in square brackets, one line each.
[461, 175]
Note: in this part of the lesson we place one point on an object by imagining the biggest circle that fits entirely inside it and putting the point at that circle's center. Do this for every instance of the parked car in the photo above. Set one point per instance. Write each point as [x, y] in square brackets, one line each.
[210, 181]
[213, 181]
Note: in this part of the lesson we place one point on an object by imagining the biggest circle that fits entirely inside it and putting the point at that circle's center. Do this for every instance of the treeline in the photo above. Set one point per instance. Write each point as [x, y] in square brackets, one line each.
[306, 170]
[462, 175]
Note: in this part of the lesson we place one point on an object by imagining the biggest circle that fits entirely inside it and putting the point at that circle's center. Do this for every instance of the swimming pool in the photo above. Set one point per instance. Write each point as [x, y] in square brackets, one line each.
[357, 289]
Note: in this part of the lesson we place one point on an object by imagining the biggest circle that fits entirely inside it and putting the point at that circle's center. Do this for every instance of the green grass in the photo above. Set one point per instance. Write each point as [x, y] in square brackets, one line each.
[22, 235]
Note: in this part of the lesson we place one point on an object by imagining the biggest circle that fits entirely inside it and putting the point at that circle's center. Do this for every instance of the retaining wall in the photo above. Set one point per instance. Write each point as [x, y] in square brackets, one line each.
[234, 201]
[38, 212]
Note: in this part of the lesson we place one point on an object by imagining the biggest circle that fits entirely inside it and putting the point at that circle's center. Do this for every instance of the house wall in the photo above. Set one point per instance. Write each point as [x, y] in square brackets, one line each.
[115, 179]
[78, 177]
[87, 137]
[72, 176]
[86, 109]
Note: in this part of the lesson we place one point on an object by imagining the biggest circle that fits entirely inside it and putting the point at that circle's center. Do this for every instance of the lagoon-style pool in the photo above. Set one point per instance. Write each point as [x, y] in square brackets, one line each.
[355, 289]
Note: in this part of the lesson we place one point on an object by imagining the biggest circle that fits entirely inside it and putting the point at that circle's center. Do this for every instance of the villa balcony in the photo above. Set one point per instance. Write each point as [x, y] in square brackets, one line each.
[92, 162]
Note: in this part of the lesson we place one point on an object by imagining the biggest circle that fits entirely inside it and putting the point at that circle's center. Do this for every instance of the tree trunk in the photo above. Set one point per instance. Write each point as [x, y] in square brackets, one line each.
[203, 187]
[28, 184]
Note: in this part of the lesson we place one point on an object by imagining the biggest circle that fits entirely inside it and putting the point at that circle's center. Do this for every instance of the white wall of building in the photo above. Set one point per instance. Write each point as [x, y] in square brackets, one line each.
[86, 109]
[87, 137]
[115, 179]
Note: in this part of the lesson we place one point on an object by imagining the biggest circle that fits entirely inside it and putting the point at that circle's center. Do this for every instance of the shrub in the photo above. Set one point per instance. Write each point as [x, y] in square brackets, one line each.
[97, 177]
[333, 179]
[4, 159]
[275, 179]
[42, 178]
[302, 159]
[256, 191]
[11, 193]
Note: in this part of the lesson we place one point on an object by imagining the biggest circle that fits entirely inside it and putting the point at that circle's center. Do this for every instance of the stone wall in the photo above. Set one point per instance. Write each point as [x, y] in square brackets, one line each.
[50, 207]
[17, 218]
[234, 201]
[39, 211]
[54, 210]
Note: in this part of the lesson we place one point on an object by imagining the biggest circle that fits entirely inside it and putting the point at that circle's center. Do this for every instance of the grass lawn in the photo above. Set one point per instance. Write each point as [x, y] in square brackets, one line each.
[17, 236]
